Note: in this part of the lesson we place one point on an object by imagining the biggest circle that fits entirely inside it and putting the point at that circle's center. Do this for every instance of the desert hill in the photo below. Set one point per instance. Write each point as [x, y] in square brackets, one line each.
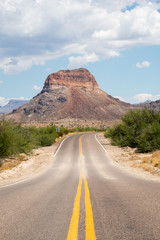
[71, 94]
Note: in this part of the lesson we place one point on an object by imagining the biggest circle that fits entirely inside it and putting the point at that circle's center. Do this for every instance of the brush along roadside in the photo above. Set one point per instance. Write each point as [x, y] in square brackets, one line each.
[142, 164]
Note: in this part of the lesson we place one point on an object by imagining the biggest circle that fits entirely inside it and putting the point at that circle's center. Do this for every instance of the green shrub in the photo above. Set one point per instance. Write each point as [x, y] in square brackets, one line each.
[47, 140]
[85, 129]
[139, 129]
[15, 139]
[6, 138]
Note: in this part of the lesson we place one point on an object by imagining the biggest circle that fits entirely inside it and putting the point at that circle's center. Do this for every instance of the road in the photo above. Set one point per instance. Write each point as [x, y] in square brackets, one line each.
[82, 196]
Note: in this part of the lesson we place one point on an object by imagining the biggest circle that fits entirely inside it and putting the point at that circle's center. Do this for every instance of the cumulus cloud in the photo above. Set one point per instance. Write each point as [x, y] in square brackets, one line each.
[142, 97]
[144, 64]
[108, 34]
[3, 101]
[36, 31]
[13, 65]
[21, 98]
[120, 98]
[36, 88]
[75, 62]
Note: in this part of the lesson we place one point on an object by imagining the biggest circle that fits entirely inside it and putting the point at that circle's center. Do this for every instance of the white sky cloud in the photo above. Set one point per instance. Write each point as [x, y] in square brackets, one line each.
[144, 64]
[142, 97]
[36, 88]
[76, 62]
[35, 31]
[1, 81]
[4, 101]
[120, 98]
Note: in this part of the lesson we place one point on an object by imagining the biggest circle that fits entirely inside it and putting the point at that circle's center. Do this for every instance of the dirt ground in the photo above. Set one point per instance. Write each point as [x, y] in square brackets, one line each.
[136, 163]
[70, 123]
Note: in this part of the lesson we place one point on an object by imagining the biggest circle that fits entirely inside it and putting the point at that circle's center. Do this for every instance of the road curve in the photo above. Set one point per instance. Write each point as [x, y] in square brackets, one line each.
[82, 196]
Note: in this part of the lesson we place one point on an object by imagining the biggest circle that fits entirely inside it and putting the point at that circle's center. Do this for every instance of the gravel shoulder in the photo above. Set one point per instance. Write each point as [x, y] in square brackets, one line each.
[130, 161]
[35, 164]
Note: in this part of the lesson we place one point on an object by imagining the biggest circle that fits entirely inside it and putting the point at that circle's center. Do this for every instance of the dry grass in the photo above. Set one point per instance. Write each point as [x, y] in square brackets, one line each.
[153, 160]
[149, 163]
[9, 163]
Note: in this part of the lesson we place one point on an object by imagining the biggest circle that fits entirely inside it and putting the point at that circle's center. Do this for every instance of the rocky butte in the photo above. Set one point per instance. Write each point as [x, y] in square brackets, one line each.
[71, 94]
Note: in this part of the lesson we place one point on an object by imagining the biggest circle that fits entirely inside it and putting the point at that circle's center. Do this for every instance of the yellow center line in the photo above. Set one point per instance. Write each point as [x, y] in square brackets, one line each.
[73, 229]
[80, 146]
[90, 233]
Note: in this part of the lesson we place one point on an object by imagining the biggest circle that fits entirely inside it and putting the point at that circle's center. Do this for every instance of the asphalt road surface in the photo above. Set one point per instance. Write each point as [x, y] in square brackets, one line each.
[82, 196]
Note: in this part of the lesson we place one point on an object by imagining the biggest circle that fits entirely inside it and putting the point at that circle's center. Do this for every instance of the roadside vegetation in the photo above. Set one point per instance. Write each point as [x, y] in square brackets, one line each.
[16, 139]
[85, 129]
[149, 163]
[139, 129]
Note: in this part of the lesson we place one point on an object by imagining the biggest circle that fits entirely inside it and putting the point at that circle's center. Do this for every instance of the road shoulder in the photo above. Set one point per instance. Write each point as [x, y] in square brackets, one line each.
[39, 161]
[128, 160]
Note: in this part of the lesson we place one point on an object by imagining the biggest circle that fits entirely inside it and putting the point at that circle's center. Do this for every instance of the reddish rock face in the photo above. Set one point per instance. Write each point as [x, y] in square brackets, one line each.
[71, 94]
[71, 78]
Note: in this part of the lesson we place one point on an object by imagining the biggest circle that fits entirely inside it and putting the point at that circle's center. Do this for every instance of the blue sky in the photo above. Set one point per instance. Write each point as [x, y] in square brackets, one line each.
[118, 41]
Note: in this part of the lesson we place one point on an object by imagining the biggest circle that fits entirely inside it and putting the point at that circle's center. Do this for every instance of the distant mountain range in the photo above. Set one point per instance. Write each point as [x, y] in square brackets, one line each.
[12, 105]
[154, 105]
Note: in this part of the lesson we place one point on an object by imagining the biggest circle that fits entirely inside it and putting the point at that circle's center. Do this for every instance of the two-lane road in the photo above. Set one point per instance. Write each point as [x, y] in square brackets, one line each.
[82, 196]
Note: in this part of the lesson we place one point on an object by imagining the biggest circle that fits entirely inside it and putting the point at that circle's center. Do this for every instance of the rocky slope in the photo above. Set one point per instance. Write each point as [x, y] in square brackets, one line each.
[71, 94]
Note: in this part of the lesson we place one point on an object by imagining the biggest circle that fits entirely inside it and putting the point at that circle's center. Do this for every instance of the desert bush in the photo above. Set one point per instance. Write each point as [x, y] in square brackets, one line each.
[139, 129]
[15, 139]
[47, 140]
[85, 129]
[45, 136]
[6, 138]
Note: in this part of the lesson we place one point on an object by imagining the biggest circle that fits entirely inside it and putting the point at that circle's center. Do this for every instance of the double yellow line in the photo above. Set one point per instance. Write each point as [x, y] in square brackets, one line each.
[73, 229]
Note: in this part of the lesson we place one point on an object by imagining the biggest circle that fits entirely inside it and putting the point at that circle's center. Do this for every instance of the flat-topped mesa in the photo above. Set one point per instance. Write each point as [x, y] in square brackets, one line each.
[71, 78]
[70, 95]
